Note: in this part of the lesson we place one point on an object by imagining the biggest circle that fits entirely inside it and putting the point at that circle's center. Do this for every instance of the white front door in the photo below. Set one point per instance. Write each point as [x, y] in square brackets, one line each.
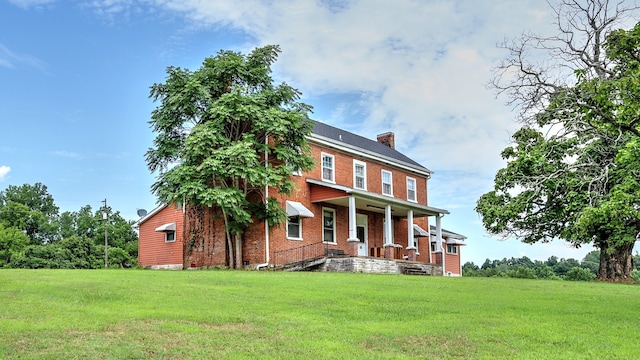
[361, 231]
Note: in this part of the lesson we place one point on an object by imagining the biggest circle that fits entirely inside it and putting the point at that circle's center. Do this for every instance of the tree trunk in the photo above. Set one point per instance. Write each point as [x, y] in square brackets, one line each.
[616, 263]
[238, 250]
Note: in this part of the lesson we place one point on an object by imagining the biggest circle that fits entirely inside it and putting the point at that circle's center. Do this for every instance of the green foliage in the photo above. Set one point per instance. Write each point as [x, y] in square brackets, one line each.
[579, 274]
[636, 275]
[551, 269]
[119, 258]
[212, 127]
[34, 235]
[579, 180]
[12, 242]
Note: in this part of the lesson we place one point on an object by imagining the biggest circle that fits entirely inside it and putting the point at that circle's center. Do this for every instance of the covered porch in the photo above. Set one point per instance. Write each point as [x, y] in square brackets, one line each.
[396, 232]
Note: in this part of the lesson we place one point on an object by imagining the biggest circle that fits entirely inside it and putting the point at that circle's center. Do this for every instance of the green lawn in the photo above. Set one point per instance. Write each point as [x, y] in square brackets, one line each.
[141, 314]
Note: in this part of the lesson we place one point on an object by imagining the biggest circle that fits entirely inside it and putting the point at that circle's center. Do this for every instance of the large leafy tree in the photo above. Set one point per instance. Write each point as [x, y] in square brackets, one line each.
[30, 208]
[572, 171]
[223, 133]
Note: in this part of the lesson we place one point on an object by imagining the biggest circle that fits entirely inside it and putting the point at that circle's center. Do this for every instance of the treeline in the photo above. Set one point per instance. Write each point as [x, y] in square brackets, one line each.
[34, 234]
[551, 269]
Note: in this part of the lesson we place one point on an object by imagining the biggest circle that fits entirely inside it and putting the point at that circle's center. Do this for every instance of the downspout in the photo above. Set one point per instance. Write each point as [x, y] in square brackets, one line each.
[266, 203]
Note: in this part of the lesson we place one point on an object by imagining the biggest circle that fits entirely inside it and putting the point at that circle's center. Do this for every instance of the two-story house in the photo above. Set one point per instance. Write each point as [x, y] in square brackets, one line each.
[363, 199]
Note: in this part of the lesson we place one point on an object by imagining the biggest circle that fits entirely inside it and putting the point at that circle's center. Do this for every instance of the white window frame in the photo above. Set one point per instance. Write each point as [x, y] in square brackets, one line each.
[333, 167]
[454, 251]
[166, 236]
[433, 246]
[364, 175]
[299, 237]
[390, 182]
[415, 190]
[333, 229]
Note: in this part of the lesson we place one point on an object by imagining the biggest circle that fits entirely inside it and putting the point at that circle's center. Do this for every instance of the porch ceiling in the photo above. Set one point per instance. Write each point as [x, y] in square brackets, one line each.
[374, 202]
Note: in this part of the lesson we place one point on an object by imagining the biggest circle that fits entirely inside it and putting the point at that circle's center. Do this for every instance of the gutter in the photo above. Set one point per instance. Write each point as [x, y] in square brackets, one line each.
[266, 200]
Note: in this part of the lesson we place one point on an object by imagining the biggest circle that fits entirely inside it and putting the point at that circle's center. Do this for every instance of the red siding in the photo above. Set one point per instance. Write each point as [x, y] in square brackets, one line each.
[153, 250]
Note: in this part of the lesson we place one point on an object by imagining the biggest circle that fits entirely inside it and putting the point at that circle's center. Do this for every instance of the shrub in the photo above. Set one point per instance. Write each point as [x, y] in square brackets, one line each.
[636, 275]
[579, 274]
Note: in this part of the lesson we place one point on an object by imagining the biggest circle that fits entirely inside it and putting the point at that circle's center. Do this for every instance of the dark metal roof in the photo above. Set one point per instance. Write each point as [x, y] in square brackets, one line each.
[447, 232]
[352, 140]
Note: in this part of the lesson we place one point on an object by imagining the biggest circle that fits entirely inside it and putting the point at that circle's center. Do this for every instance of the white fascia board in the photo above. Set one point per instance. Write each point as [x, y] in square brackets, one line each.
[368, 154]
[150, 214]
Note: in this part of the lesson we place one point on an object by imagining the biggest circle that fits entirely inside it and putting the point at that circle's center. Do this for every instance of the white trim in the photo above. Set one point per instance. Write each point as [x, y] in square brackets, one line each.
[383, 183]
[453, 247]
[364, 180]
[419, 232]
[167, 227]
[333, 166]
[332, 211]
[295, 208]
[354, 150]
[362, 220]
[415, 189]
[299, 237]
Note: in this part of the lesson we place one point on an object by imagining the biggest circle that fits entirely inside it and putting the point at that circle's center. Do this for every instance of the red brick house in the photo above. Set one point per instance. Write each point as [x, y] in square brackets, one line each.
[363, 199]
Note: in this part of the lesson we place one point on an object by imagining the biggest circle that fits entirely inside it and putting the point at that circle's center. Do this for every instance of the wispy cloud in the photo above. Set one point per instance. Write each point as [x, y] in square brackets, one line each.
[68, 154]
[4, 171]
[11, 59]
[26, 4]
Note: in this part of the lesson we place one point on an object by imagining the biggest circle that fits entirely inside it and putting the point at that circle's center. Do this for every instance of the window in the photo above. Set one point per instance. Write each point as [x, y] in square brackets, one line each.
[452, 249]
[359, 175]
[387, 188]
[328, 225]
[294, 228]
[411, 189]
[328, 167]
[170, 236]
[433, 247]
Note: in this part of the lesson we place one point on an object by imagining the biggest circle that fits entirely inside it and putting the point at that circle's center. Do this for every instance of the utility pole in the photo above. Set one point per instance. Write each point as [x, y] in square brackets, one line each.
[105, 217]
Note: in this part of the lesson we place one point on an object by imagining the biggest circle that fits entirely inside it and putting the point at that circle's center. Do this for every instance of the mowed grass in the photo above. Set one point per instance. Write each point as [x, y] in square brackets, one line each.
[141, 314]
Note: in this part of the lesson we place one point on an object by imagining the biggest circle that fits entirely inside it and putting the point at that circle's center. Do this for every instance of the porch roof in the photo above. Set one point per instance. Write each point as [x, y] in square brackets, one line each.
[373, 202]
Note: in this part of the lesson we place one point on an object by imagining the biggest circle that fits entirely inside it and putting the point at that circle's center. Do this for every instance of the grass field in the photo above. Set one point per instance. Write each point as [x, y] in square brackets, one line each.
[140, 314]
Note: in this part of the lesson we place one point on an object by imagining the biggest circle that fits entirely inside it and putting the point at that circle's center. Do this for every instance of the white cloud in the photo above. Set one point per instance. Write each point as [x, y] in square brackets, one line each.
[25, 4]
[420, 67]
[68, 154]
[10, 59]
[4, 171]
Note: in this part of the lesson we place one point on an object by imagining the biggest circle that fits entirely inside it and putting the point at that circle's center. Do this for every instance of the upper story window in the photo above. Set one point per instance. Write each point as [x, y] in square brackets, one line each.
[170, 236]
[387, 187]
[411, 189]
[328, 167]
[359, 175]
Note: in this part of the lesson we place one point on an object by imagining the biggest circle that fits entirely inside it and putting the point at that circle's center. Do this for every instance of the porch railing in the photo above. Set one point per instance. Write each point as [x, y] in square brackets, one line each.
[300, 254]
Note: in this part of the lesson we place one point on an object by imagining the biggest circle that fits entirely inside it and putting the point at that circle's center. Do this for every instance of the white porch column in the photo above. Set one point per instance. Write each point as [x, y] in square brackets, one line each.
[439, 241]
[410, 238]
[353, 233]
[388, 225]
[439, 232]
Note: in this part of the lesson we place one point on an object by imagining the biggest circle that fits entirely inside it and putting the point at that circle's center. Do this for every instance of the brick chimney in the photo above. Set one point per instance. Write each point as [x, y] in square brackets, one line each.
[388, 139]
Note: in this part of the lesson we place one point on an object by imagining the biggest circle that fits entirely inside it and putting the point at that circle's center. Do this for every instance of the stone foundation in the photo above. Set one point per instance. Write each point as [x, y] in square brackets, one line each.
[377, 266]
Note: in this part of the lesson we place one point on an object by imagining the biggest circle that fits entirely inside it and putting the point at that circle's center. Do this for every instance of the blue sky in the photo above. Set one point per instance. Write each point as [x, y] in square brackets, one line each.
[75, 77]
